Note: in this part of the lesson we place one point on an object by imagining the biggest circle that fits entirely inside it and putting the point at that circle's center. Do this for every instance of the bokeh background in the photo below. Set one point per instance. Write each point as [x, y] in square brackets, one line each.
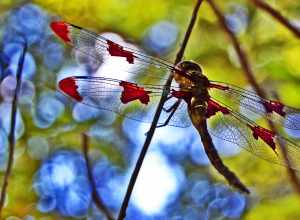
[177, 182]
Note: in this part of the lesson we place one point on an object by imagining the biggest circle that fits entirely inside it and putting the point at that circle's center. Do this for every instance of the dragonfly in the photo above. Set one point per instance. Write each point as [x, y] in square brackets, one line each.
[233, 113]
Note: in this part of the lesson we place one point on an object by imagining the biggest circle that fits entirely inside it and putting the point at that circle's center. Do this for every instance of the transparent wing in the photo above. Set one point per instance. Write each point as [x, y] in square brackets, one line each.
[239, 130]
[252, 106]
[134, 101]
[96, 46]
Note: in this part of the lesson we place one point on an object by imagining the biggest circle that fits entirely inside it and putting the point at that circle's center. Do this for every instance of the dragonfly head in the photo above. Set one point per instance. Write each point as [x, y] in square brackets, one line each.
[194, 71]
[190, 67]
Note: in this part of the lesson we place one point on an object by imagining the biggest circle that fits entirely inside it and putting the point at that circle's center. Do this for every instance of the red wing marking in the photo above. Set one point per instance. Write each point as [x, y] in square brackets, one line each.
[94, 45]
[245, 133]
[118, 51]
[214, 107]
[133, 92]
[185, 95]
[116, 96]
[69, 87]
[61, 29]
[275, 106]
[247, 102]
[266, 135]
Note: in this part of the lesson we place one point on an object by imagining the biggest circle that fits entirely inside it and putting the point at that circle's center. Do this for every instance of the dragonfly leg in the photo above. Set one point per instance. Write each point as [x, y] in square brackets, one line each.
[172, 109]
[169, 109]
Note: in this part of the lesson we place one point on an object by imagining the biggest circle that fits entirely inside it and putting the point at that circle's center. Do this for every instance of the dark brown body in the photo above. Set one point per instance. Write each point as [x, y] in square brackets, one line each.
[197, 108]
[198, 85]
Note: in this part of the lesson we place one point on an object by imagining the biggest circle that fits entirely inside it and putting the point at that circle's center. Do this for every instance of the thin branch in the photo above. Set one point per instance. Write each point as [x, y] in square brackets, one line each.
[96, 198]
[138, 165]
[180, 53]
[277, 15]
[291, 173]
[251, 79]
[11, 136]
[241, 54]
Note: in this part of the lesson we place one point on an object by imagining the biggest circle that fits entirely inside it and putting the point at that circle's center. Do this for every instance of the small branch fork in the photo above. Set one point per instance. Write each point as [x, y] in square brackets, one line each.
[277, 15]
[251, 79]
[11, 136]
[96, 198]
[133, 178]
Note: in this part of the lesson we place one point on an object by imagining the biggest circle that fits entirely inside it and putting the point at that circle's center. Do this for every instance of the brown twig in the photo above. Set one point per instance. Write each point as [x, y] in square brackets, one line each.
[277, 15]
[11, 136]
[138, 165]
[241, 54]
[250, 76]
[292, 174]
[96, 198]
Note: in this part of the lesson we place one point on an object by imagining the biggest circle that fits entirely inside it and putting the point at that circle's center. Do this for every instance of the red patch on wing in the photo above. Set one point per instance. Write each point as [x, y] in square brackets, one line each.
[133, 92]
[274, 106]
[214, 107]
[61, 29]
[266, 135]
[68, 86]
[118, 51]
[185, 95]
[217, 86]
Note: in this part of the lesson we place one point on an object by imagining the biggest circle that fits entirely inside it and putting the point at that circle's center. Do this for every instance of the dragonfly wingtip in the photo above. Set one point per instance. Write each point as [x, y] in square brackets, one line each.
[61, 29]
[69, 87]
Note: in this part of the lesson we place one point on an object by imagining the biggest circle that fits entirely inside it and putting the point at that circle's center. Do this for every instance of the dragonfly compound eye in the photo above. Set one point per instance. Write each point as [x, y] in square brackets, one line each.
[190, 67]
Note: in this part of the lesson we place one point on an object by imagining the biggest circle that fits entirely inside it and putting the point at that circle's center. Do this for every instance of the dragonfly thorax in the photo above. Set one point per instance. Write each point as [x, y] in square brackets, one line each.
[197, 82]
[198, 85]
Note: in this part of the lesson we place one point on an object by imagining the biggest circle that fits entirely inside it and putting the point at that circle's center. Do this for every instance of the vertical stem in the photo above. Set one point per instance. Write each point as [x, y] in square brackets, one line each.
[11, 136]
[133, 178]
[96, 198]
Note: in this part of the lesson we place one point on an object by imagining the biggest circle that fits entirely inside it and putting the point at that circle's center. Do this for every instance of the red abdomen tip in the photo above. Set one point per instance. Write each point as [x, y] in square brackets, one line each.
[61, 29]
[69, 87]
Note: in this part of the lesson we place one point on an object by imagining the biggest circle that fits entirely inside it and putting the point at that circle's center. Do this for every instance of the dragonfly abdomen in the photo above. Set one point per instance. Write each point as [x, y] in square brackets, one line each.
[197, 110]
